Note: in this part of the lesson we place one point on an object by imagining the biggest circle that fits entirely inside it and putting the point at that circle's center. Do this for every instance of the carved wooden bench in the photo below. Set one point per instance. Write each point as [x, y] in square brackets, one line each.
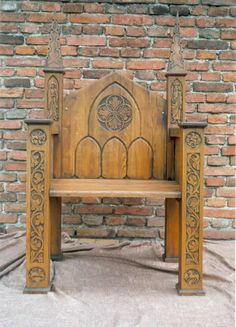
[114, 138]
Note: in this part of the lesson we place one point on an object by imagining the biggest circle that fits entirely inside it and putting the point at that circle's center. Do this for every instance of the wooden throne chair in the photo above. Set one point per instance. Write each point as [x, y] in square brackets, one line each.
[115, 138]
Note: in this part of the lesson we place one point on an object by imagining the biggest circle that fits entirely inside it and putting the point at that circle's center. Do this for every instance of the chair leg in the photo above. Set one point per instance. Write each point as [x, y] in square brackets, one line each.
[38, 232]
[38, 210]
[171, 231]
[55, 214]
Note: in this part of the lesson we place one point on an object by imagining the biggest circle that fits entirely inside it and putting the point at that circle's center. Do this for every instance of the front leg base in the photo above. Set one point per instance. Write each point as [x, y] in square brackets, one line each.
[190, 292]
[38, 290]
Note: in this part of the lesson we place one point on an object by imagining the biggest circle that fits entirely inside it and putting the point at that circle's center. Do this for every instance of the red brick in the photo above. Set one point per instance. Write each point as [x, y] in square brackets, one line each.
[217, 108]
[7, 71]
[46, 17]
[10, 124]
[73, 7]
[92, 220]
[232, 203]
[17, 155]
[6, 103]
[220, 223]
[26, 72]
[229, 151]
[107, 64]
[195, 97]
[145, 64]
[231, 181]
[217, 11]
[215, 97]
[72, 219]
[205, 22]
[211, 76]
[155, 222]
[212, 171]
[15, 135]
[229, 77]
[15, 166]
[95, 232]
[217, 119]
[28, 62]
[140, 211]
[108, 52]
[135, 31]
[7, 218]
[203, 55]
[7, 177]
[225, 22]
[212, 87]
[11, 17]
[114, 30]
[93, 7]
[51, 7]
[129, 42]
[212, 139]
[132, 20]
[219, 130]
[224, 66]
[11, 93]
[227, 55]
[114, 220]
[216, 181]
[93, 41]
[226, 192]
[15, 207]
[219, 203]
[6, 50]
[232, 140]
[162, 43]
[37, 40]
[217, 161]
[136, 221]
[132, 201]
[93, 209]
[228, 35]
[231, 98]
[30, 104]
[219, 213]
[137, 232]
[89, 19]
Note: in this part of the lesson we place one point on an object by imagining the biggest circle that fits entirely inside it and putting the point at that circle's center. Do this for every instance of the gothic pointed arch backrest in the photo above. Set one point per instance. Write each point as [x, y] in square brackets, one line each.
[114, 128]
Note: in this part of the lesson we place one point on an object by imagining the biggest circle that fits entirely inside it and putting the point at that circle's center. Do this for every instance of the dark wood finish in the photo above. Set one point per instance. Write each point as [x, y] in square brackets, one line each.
[114, 138]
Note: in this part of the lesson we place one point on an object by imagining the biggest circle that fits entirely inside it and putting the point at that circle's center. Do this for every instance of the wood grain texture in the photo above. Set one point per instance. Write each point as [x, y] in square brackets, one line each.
[38, 207]
[114, 188]
[114, 159]
[115, 107]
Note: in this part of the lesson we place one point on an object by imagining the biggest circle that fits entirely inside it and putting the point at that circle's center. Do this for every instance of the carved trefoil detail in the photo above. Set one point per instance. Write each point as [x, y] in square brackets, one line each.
[37, 188]
[176, 101]
[38, 137]
[36, 275]
[53, 98]
[193, 140]
[192, 277]
[114, 113]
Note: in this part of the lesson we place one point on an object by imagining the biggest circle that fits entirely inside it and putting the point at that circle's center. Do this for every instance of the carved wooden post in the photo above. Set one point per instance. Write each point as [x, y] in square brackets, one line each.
[53, 109]
[38, 207]
[176, 112]
[191, 154]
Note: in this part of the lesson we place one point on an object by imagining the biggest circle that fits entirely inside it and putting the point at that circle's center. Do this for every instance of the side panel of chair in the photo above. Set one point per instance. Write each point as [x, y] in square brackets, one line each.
[114, 129]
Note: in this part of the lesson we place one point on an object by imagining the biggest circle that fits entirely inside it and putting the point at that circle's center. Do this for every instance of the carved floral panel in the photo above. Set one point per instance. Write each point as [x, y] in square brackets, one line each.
[176, 101]
[114, 113]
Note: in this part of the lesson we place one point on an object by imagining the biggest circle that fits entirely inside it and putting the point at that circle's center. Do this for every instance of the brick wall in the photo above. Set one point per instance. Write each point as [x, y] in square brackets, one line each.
[132, 36]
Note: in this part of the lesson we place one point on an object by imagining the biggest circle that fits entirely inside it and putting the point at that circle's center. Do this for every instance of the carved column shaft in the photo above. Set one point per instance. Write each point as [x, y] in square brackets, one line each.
[38, 211]
[190, 175]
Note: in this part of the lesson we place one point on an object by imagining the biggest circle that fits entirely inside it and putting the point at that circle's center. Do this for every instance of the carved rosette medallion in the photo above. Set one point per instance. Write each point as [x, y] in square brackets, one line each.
[193, 140]
[176, 101]
[36, 275]
[114, 113]
[53, 98]
[37, 206]
[38, 137]
[192, 277]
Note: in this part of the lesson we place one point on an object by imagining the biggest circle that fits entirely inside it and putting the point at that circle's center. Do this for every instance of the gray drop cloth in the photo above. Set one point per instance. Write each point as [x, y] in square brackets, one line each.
[121, 285]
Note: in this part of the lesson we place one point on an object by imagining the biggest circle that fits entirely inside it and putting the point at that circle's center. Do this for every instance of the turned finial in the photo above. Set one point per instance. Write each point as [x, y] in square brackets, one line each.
[54, 58]
[176, 61]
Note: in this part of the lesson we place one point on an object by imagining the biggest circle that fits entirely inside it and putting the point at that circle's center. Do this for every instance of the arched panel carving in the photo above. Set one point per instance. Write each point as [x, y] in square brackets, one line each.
[114, 159]
[88, 159]
[114, 113]
[140, 156]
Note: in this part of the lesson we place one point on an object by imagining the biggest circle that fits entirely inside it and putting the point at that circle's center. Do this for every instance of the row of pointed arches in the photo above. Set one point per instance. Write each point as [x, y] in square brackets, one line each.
[113, 159]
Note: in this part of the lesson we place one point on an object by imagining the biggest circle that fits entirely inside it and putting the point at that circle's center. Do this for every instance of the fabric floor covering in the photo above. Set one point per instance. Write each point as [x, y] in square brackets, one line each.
[120, 285]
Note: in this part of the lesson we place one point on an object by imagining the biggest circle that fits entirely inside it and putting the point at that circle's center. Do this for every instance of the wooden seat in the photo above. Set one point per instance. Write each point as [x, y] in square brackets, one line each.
[115, 138]
[114, 188]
